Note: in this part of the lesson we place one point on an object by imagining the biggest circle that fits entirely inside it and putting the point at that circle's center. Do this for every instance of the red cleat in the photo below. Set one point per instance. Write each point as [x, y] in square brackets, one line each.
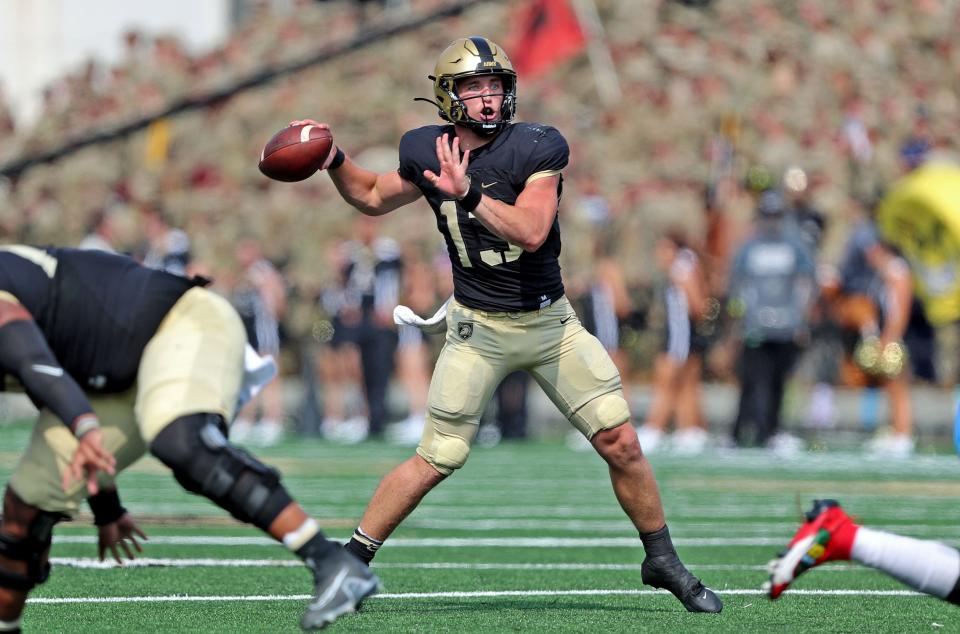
[827, 535]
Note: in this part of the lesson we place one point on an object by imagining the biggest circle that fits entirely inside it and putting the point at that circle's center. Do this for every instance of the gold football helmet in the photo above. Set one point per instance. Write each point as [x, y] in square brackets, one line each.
[467, 57]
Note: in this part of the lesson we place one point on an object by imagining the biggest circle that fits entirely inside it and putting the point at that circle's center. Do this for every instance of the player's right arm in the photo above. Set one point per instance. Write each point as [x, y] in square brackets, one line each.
[369, 192]
[25, 355]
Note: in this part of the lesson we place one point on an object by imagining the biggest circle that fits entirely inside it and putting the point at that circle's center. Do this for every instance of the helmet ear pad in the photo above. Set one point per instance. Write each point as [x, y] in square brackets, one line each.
[446, 91]
[509, 107]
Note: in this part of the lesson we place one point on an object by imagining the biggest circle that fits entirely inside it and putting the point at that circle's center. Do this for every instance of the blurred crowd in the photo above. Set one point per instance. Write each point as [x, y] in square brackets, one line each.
[716, 212]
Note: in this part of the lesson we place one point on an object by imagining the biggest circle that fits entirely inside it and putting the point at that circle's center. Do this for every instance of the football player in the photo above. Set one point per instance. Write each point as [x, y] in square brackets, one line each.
[121, 359]
[829, 534]
[494, 186]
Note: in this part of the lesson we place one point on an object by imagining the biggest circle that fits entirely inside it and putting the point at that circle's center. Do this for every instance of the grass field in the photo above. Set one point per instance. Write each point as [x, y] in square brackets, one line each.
[527, 537]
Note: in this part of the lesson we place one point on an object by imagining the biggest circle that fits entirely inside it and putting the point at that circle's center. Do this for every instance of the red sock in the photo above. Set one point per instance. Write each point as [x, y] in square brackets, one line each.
[841, 541]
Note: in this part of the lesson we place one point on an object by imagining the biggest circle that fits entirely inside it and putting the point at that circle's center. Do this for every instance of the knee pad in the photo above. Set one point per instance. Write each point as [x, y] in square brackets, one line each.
[449, 454]
[204, 462]
[443, 447]
[604, 412]
[30, 549]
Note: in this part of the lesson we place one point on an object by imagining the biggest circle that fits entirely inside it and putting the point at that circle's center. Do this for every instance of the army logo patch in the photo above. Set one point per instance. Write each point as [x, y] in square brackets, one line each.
[464, 329]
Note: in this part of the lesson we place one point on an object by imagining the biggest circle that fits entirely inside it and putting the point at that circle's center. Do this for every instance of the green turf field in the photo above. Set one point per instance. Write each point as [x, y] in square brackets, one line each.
[527, 537]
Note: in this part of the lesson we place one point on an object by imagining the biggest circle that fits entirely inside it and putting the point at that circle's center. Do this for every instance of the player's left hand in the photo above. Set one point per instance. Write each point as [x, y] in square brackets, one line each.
[124, 530]
[452, 179]
[89, 458]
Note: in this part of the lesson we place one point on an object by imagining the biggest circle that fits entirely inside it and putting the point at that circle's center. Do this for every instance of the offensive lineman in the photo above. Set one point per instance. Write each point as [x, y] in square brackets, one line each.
[495, 186]
[121, 359]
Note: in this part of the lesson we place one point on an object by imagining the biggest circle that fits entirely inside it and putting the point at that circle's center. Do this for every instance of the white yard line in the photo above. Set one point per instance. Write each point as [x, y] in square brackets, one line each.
[464, 542]
[150, 562]
[684, 529]
[153, 562]
[460, 595]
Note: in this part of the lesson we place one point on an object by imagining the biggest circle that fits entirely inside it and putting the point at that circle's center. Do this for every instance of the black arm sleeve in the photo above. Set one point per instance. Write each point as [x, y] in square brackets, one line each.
[24, 353]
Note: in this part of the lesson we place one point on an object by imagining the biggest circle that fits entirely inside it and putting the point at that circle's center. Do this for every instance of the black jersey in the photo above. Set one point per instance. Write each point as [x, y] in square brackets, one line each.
[96, 310]
[489, 273]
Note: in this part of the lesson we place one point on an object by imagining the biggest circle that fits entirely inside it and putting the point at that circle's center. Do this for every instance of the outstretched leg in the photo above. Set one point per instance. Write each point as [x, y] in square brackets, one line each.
[397, 495]
[577, 374]
[636, 490]
[632, 477]
[829, 534]
[460, 389]
[203, 461]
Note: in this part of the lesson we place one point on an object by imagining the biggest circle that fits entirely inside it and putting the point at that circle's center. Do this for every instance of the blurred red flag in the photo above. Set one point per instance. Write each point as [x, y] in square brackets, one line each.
[547, 34]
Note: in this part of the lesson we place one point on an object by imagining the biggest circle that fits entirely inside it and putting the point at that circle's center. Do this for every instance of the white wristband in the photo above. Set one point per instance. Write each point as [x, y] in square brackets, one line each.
[84, 424]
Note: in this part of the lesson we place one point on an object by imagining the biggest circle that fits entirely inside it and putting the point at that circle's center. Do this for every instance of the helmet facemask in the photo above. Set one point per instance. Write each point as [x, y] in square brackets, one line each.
[458, 107]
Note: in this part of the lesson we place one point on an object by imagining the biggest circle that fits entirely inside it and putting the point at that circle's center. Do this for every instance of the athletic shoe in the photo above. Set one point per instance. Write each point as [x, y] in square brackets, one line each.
[827, 535]
[346, 432]
[667, 572]
[897, 446]
[689, 442]
[407, 433]
[488, 436]
[650, 438]
[240, 430]
[266, 433]
[341, 583]
[784, 445]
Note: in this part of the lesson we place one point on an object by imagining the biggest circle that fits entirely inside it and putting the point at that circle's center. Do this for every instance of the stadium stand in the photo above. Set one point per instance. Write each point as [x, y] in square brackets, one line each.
[706, 93]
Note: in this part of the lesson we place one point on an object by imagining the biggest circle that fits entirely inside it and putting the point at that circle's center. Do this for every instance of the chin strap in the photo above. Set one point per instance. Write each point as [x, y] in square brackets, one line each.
[430, 101]
[433, 103]
[479, 128]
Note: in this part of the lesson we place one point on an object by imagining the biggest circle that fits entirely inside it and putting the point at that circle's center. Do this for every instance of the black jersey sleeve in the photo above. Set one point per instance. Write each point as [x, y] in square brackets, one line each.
[418, 152]
[408, 169]
[548, 151]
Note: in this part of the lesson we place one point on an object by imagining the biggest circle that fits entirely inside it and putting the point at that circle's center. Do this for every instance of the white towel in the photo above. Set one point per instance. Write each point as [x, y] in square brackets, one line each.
[404, 316]
[257, 372]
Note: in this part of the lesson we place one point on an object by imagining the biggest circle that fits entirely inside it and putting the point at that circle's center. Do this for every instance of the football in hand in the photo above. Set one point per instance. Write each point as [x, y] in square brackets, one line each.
[296, 152]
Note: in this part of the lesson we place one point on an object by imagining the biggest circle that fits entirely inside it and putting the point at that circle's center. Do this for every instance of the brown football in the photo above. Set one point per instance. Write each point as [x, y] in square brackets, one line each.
[295, 152]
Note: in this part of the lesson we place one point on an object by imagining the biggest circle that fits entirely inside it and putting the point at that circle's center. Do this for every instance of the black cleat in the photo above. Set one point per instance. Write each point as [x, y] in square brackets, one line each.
[341, 583]
[667, 572]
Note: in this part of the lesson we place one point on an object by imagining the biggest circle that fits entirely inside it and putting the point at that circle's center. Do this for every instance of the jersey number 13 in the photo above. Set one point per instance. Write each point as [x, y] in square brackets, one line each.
[490, 257]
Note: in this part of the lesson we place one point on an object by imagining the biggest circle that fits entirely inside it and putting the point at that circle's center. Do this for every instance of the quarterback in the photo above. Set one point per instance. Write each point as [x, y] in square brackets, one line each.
[120, 360]
[494, 186]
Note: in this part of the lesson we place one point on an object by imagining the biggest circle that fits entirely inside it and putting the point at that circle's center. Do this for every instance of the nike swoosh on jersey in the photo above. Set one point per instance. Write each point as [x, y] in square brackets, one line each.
[485, 185]
[50, 370]
[566, 319]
